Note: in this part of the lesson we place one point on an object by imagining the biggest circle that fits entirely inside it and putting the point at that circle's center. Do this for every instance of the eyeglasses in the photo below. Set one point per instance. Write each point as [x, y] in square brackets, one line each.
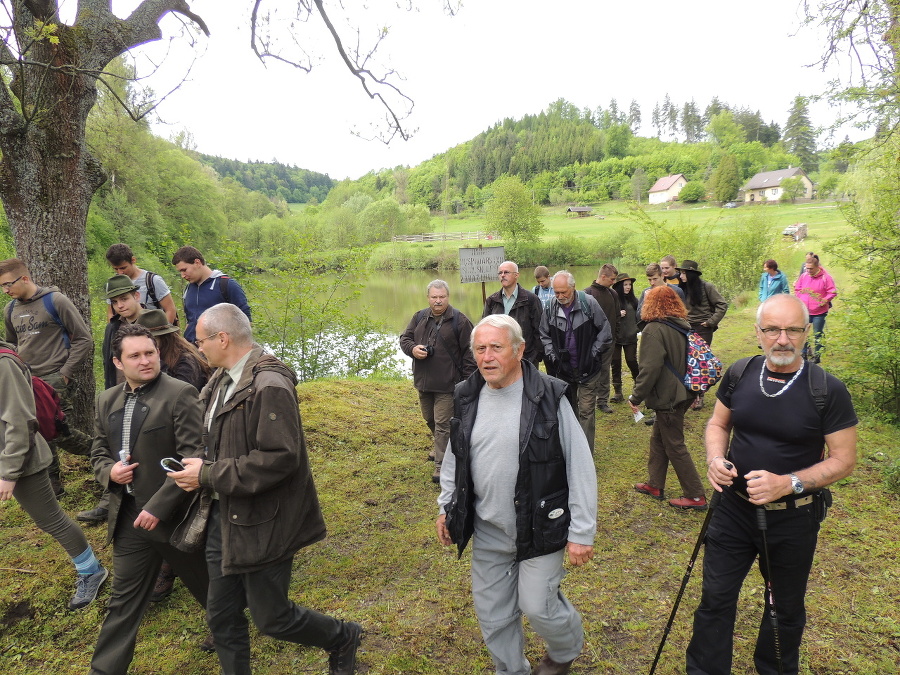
[793, 332]
[505, 272]
[199, 342]
[10, 284]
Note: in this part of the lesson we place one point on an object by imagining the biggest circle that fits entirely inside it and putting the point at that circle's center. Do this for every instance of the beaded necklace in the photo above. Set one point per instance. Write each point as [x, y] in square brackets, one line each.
[785, 387]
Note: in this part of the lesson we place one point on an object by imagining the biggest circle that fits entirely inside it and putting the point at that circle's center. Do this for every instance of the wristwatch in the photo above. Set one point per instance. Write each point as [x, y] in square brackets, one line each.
[796, 484]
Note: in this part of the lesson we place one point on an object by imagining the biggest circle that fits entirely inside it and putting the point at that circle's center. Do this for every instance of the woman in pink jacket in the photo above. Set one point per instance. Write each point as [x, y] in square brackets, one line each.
[816, 289]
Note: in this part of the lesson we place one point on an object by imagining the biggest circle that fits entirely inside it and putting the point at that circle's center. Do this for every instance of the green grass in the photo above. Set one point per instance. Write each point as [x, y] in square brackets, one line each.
[381, 563]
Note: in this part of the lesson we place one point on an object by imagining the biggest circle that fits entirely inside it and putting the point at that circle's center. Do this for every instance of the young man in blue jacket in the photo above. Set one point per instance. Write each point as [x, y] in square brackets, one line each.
[206, 287]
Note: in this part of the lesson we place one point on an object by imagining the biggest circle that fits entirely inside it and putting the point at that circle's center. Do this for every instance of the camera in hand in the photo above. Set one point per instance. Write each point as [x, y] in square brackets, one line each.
[429, 351]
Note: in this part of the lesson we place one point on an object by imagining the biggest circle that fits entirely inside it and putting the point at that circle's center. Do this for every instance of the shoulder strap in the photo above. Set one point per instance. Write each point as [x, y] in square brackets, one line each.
[51, 310]
[223, 287]
[585, 306]
[151, 289]
[818, 386]
[737, 372]
[18, 359]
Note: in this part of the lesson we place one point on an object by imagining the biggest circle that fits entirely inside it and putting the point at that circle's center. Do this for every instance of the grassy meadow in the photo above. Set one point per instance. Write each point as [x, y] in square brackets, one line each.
[382, 565]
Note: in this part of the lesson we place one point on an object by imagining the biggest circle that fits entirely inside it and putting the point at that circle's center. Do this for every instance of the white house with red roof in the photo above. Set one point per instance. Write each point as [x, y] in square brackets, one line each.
[666, 189]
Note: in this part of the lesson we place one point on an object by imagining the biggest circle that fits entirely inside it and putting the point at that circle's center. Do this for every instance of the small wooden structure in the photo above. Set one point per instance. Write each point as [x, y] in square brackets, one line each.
[581, 211]
[797, 231]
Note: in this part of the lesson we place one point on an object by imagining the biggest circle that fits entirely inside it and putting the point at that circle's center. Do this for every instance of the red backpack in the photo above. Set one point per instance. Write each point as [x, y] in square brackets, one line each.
[50, 416]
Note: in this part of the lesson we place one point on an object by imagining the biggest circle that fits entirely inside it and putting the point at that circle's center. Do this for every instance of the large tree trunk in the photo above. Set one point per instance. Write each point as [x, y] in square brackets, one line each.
[47, 175]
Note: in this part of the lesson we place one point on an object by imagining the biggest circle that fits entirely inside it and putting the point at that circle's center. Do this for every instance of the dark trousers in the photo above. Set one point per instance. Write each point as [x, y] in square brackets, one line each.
[667, 446]
[733, 542]
[265, 594]
[703, 331]
[136, 561]
[631, 361]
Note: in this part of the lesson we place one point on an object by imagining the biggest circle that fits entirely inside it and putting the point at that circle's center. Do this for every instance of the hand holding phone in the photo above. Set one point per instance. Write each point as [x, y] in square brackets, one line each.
[171, 464]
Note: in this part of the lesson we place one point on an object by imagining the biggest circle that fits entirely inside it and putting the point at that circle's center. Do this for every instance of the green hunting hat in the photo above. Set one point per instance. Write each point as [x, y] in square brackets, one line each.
[689, 266]
[156, 322]
[622, 276]
[118, 285]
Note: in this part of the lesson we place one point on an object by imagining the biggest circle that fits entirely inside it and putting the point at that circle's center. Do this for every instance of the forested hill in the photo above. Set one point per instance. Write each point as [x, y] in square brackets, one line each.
[273, 179]
[565, 154]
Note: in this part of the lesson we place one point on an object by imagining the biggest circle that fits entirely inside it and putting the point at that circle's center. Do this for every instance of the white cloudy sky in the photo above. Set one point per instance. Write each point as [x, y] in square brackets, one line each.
[494, 59]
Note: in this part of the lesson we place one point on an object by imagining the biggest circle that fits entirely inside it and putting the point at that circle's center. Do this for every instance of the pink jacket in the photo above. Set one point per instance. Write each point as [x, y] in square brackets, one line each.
[816, 292]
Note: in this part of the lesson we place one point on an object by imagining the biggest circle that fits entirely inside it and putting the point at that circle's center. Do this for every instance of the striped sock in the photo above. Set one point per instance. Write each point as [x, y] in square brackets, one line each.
[86, 563]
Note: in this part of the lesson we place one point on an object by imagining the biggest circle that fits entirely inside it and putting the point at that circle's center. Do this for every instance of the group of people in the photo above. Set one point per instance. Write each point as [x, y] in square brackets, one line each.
[525, 494]
[204, 422]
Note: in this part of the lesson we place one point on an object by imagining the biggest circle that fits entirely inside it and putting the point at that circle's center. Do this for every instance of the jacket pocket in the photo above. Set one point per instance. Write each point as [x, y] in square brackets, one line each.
[551, 522]
[254, 535]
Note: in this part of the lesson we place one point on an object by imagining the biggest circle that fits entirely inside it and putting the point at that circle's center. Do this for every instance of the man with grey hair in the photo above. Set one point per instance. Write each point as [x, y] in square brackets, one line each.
[522, 305]
[526, 492]
[264, 502]
[576, 335]
[437, 340]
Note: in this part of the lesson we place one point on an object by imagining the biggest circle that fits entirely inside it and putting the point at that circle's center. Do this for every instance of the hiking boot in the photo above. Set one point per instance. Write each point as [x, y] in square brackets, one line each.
[604, 408]
[342, 661]
[94, 516]
[208, 645]
[698, 403]
[647, 489]
[86, 588]
[57, 486]
[165, 580]
[617, 397]
[548, 666]
[695, 503]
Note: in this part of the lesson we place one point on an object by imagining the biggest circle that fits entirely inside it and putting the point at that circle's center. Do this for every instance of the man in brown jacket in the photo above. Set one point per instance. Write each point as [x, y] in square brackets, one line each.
[266, 508]
[437, 340]
[608, 299]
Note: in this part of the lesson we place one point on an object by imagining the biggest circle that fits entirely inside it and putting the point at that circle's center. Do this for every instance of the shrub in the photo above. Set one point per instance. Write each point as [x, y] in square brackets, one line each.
[693, 191]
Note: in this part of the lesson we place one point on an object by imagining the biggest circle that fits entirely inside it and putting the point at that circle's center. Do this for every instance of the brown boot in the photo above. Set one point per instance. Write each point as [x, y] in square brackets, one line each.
[164, 582]
[548, 666]
[617, 397]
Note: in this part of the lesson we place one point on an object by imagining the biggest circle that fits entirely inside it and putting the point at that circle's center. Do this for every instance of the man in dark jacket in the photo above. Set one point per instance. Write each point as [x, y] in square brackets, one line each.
[524, 306]
[575, 334]
[608, 299]
[526, 492]
[437, 340]
[266, 509]
[150, 416]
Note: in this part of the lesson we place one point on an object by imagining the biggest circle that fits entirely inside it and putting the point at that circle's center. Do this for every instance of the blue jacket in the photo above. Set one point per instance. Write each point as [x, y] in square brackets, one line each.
[779, 285]
[200, 297]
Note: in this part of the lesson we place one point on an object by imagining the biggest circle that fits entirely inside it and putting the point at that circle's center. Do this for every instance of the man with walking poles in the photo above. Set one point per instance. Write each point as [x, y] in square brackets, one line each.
[766, 444]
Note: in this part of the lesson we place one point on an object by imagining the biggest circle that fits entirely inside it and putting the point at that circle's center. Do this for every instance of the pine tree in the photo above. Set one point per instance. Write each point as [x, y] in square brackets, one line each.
[634, 116]
[726, 180]
[799, 137]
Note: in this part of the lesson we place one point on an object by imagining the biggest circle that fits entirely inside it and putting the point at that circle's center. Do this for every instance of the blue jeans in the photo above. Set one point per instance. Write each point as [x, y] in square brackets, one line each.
[818, 324]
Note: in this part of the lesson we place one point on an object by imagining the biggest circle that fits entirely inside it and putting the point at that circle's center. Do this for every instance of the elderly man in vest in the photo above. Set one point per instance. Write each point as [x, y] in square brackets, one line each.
[526, 492]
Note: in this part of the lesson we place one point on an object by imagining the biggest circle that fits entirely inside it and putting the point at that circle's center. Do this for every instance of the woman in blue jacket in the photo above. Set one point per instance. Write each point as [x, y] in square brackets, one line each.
[772, 281]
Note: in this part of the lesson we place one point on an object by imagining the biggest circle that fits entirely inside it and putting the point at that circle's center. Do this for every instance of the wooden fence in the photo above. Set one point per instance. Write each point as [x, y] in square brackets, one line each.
[444, 236]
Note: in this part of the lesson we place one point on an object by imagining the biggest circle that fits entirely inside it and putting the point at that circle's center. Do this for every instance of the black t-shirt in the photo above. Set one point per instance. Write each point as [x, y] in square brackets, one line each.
[783, 434]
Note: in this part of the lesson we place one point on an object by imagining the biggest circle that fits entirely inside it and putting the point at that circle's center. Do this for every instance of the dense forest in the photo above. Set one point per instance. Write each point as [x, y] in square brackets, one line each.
[273, 179]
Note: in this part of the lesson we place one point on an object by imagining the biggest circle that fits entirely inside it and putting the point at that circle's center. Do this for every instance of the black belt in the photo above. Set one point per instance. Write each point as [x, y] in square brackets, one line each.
[779, 506]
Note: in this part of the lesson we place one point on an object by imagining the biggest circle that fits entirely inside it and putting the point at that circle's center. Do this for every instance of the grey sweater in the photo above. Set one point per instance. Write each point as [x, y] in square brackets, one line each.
[495, 464]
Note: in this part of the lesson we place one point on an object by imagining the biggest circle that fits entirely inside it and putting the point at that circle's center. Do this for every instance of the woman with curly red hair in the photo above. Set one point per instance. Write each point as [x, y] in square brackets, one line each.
[662, 345]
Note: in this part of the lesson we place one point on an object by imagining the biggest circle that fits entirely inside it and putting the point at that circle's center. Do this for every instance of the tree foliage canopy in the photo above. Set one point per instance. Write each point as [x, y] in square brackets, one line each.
[511, 212]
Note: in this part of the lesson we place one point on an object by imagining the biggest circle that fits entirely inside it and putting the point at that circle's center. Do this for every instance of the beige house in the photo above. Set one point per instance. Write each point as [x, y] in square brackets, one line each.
[766, 186]
[666, 189]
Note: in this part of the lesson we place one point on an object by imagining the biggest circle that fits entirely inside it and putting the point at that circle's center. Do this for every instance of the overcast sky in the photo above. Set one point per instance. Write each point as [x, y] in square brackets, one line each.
[494, 59]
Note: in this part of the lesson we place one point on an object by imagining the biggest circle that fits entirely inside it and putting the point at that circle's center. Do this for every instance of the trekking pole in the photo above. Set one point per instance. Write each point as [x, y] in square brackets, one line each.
[773, 616]
[687, 574]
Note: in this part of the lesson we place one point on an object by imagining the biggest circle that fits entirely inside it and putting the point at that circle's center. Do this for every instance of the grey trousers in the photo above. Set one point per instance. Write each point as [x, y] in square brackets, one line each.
[503, 590]
[35, 496]
[437, 409]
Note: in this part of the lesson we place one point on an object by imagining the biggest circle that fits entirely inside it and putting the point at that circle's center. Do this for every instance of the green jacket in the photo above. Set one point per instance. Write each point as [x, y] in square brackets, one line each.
[166, 422]
[268, 504]
[23, 451]
[656, 384]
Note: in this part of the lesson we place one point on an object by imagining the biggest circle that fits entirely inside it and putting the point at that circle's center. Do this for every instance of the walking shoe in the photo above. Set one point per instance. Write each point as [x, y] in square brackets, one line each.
[94, 516]
[696, 503]
[86, 588]
[208, 645]
[617, 397]
[698, 403]
[165, 581]
[548, 666]
[342, 661]
[647, 489]
[57, 487]
[604, 407]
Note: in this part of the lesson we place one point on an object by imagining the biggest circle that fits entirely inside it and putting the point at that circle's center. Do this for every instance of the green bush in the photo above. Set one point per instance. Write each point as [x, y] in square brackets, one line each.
[693, 192]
